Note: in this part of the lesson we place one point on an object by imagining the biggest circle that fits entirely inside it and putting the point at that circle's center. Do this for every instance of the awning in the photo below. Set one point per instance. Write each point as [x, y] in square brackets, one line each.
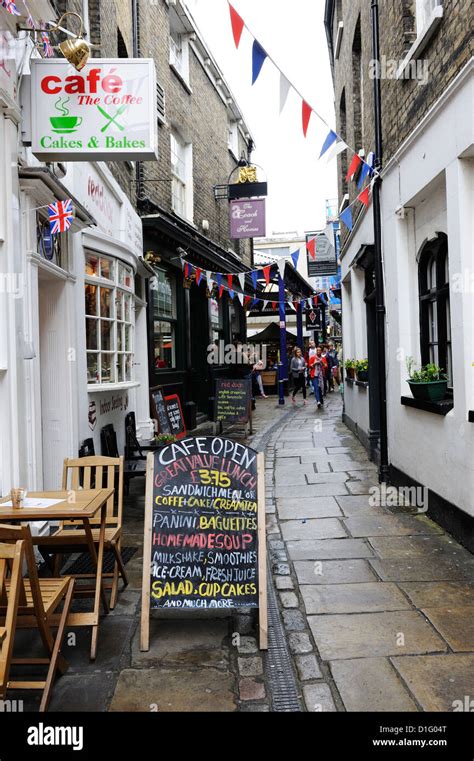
[271, 335]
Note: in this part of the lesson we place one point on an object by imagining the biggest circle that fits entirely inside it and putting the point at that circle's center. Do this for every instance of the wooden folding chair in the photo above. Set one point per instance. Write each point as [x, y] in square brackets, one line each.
[29, 604]
[71, 535]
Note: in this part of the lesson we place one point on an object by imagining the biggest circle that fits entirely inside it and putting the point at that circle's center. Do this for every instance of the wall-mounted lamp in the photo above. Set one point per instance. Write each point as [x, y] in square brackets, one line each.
[77, 51]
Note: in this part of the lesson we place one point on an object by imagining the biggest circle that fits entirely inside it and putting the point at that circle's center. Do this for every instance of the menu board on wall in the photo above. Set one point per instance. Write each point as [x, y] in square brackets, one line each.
[175, 416]
[204, 529]
[233, 400]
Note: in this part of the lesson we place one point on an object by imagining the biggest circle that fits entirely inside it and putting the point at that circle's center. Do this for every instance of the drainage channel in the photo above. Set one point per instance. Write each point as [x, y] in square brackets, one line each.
[278, 665]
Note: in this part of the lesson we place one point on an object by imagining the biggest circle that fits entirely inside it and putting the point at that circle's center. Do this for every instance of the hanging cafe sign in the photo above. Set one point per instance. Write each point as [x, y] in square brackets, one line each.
[105, 112]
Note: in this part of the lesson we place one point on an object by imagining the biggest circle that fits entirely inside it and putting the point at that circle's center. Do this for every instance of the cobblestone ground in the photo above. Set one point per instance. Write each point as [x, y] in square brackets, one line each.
[378, 603]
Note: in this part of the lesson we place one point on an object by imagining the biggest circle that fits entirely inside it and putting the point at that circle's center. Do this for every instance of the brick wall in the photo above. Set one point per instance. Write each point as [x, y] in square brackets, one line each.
[405, 102]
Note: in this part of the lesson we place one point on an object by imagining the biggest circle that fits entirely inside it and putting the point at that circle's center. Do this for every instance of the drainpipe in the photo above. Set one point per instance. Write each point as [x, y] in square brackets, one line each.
[85, 18]
[135, 53]
[379, 285]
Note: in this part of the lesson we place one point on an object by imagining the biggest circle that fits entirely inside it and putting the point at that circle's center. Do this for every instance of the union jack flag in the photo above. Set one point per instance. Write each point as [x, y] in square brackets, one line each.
[61, 215]
[10, 6]
[47, 49]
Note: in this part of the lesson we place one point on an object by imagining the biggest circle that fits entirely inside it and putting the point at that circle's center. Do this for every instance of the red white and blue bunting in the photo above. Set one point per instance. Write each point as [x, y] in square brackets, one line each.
[360, 168]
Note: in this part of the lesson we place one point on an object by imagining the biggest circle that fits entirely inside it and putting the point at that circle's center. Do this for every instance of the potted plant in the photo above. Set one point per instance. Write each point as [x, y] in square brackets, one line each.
[350, 368]
[163, 439]
[428, 384]
[362, 367]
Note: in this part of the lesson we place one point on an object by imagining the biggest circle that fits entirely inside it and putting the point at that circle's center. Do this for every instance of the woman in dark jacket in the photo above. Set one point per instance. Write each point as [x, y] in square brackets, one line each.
[297, 369]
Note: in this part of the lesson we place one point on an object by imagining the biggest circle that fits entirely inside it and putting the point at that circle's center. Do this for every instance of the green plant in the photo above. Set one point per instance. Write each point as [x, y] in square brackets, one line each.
[350, 364]
[162, 439]
[427, 374]
[362, 365]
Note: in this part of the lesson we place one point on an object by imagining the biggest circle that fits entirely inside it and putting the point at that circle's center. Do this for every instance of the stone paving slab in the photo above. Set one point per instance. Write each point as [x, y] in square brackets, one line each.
[324, 489]
[355, 505]
[333, 572]
[438, 682]
[371, 685]
[318, 698]
[207, 690]
[88, 693]
[456, 626]
[360, 487]
[324, 528]
[318, 507]
[416, 546]
[387, 525]
[428, 568]
[364, 635]
[364, 597]
[290, 454]
[192, 643]
[328, 549]
[435, 594]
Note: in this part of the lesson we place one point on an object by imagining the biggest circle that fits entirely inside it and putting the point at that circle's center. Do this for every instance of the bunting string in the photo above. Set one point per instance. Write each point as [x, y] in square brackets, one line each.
[360, 168]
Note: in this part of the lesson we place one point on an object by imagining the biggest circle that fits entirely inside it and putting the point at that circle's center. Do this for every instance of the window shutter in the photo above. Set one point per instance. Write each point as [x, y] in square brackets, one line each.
[161, 103]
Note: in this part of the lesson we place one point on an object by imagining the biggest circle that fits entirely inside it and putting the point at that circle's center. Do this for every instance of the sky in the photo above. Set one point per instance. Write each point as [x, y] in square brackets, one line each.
[293, 34]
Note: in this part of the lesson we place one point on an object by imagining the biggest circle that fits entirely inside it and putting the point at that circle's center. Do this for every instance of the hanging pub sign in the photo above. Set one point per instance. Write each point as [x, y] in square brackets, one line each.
[313, 319]
[204, 540]
[247, 218]
[105, 112]
[324, 262]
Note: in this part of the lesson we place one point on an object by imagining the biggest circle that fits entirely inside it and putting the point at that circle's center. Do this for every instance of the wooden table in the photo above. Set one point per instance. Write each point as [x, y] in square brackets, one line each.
[82, 505]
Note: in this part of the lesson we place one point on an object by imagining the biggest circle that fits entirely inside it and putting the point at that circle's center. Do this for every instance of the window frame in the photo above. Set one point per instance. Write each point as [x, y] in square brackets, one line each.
[434, 305]
[122, 322]
[163, 317]
[182, 181]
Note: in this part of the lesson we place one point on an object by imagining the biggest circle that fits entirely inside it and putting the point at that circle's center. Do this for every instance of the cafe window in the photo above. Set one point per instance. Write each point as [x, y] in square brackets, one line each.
[435, 333]
[109, 303]
[163, 299]
[216, 314]
[182, 177]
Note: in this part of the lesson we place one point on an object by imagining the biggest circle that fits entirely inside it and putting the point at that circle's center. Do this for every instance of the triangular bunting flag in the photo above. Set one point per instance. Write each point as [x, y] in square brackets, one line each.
[306, 113]
[240, 296]
[371, 162]
[295, 256]
[266, 273]
[311, 246]
[254, 276]
[198, 275]
[221, 291]
[258, 59]
[302, 304]
[187, 268]
[254, 303]
[209, 280]
[219, 281]
[315, 301]
[281, 267]
[364, 196]
[237, 25]
[247, 300]
[330, 139]
[335, 150]
[296, 304]
[265, 304]
[346, 217]
[241, 278]
[230, 281]
[284, 90]
[354, 165]
[363, 174]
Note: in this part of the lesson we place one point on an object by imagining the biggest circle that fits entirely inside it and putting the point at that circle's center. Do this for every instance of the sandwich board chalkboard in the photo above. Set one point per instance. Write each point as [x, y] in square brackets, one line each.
[204, 543]
[159, 410]
[175, 416]
[233, 401]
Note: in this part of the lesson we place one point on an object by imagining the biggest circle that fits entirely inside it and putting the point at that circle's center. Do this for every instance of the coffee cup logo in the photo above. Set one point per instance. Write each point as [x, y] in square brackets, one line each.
[65, 123]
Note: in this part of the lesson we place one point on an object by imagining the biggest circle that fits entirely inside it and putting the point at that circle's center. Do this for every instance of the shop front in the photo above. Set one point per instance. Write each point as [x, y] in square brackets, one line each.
[184, 319]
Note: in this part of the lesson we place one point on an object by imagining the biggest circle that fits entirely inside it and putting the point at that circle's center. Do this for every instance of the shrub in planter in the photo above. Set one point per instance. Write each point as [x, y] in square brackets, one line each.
[163, 439]
[428, 384]
[362, 367]
[350, 368]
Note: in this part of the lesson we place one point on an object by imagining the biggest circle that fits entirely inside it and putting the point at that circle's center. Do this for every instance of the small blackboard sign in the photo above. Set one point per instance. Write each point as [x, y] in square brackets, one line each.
[175, 416]
[205, 544]
[233, 400]
[159, 410]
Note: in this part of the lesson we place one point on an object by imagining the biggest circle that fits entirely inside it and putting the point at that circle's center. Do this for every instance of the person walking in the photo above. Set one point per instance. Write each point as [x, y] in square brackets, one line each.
[257, 371]
[334, 367]
[316, 375]
[297, 368]
[324, 360]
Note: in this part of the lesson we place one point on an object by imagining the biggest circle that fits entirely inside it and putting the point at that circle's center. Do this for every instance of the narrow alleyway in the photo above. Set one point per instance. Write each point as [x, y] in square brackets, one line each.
[378, 603]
